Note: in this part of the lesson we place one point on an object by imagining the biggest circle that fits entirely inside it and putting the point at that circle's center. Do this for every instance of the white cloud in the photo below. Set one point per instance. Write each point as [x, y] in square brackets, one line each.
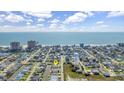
[55, 21]
[28, 20]
[115, 14]
[2, 15]
[40, 25]
[40, 14]
[77, 17]
[41, 20]
[7, 26]
[62, 28]
[29, 28]
[28, 23]
[58, 27]
[65, 15]
[99, 22]
[1, 20]
[53, 26]
[104, 25]
[100, 26]
[14, 18]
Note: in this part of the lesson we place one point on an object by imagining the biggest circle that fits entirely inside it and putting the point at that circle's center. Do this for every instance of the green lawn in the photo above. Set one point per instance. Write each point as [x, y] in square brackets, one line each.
[88, 68]
[25, 76]
[67, 71]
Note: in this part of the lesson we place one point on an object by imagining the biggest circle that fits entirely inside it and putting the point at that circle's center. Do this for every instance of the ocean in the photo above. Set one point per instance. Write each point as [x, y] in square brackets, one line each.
[55, 38]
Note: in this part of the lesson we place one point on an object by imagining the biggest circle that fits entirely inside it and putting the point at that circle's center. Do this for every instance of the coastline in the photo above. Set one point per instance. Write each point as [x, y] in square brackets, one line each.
[5, 46]
[24, 46]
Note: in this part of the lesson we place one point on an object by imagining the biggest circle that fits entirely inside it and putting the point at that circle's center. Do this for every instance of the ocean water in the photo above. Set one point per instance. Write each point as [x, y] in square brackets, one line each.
[53, 38]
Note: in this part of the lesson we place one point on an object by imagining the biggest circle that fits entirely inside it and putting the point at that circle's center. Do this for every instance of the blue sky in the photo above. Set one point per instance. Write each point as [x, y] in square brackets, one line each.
[58, 21]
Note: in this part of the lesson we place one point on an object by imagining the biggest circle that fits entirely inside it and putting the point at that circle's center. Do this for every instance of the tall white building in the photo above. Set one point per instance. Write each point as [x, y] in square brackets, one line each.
[76, 58]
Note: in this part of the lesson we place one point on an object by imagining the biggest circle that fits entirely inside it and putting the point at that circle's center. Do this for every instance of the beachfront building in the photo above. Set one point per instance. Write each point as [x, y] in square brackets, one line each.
[121, 44]
[31, 44]
[15, 46]
[82, 45]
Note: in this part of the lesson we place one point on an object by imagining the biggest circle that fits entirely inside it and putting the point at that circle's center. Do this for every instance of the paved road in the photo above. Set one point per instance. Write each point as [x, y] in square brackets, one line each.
[35, 65]
[9, 66]
[48, 68]
[47, 56]
[111, 72]
[61, 64]
[7, 58]
[88, 53]
[15, 74]
[47, 73]
[25, 61]
[82, 66]
[62, 73]
[112, 60]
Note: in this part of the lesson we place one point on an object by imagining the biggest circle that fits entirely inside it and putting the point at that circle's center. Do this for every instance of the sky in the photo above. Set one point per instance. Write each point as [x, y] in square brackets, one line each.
[62, 21]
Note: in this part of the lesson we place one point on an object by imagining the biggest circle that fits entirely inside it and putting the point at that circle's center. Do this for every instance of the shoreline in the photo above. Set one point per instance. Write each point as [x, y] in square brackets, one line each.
[24, 46]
